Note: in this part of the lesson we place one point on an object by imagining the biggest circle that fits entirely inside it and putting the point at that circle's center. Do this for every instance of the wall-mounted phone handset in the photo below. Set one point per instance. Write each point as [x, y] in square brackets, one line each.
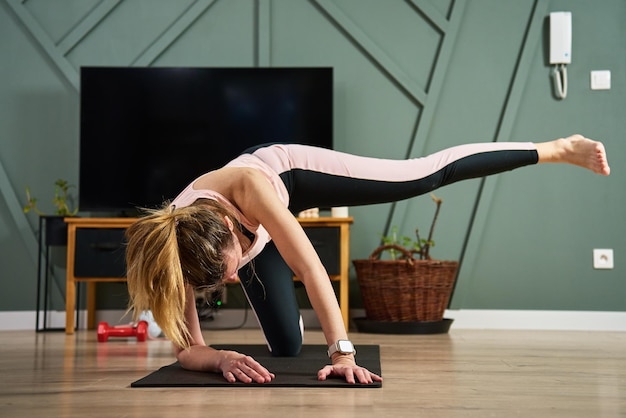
[560, 49]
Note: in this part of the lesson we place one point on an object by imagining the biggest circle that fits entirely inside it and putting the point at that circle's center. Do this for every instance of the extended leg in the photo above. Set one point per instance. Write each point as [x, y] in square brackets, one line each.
[330, 178]
[319, 177]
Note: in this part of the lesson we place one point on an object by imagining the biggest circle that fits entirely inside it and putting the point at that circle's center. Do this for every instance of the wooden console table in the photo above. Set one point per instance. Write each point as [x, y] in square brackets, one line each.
[72, 279]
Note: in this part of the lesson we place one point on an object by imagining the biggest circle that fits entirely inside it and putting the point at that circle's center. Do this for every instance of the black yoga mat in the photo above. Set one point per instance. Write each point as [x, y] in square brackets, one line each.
[300, 371]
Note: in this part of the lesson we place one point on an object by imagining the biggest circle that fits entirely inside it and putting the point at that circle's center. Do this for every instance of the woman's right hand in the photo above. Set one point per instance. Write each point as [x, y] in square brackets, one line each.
[240, 367]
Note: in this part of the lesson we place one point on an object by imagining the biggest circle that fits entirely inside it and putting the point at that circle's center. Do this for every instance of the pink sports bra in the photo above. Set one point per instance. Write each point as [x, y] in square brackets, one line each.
[261, 236]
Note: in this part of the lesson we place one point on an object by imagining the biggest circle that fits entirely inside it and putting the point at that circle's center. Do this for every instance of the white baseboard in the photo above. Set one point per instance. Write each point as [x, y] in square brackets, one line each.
[538, 320]
[463, 319]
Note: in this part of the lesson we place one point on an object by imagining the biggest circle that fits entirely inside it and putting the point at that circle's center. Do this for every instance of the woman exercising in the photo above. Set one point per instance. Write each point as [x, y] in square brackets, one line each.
[210, 234]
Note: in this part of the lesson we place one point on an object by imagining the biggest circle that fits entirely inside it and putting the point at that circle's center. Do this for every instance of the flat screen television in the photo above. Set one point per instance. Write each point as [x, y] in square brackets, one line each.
[145, 133]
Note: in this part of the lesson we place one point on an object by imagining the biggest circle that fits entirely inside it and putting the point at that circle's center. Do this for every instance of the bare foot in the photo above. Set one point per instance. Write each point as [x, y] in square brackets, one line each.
[576, 150]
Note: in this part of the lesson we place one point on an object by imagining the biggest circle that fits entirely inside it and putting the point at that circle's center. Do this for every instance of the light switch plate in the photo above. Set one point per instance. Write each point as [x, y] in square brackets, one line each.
[601, 80]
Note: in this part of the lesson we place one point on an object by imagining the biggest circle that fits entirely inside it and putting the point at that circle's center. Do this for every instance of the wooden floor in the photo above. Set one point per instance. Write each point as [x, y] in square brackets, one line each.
[461, 374]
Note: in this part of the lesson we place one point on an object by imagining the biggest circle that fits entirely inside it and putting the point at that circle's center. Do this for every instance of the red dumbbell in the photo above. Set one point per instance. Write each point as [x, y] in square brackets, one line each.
[105, 331]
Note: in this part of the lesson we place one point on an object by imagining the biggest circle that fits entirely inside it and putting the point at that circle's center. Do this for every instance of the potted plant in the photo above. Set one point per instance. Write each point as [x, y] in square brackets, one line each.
[56, 229]
[411, 288]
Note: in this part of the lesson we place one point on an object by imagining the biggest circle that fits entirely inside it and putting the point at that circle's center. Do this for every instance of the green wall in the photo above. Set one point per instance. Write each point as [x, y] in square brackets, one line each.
[411, 77]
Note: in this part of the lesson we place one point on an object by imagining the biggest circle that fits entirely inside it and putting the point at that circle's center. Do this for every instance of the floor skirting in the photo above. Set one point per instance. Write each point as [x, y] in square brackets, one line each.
[463, 319]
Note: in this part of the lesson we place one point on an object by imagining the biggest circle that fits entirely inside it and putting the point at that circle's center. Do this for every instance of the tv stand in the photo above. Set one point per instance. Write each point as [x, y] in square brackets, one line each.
[95, 253]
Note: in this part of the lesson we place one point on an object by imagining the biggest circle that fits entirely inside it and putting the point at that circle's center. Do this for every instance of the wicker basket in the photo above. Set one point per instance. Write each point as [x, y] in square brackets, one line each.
[407, 289]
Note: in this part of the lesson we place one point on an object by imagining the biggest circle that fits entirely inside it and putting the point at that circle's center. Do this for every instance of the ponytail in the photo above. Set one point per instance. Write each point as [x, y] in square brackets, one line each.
[169, 249]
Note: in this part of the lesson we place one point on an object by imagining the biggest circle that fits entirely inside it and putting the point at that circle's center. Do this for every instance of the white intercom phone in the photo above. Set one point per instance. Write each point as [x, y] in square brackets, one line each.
[560, 48]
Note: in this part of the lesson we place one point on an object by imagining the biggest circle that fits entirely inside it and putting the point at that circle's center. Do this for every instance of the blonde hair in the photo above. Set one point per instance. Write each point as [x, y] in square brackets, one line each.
[170, 248]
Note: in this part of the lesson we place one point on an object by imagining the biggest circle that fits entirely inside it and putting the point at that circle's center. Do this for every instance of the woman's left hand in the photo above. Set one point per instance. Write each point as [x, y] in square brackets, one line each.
[350, 371]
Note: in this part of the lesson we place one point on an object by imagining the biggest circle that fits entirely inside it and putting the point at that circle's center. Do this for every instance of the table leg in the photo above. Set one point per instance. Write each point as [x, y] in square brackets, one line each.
[70, 283]
[91, 305]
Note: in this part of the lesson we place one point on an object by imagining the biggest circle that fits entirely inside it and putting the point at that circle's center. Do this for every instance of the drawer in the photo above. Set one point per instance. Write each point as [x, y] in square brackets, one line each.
[100, 252]
[326, 241]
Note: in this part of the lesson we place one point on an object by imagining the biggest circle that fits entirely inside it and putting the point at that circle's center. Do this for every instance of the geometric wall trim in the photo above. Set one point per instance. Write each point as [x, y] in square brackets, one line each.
[508, 116]
[58, 51]
[181, 16]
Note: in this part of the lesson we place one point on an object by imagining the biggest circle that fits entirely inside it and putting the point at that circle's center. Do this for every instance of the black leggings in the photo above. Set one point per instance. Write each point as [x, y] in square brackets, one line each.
[268, 281]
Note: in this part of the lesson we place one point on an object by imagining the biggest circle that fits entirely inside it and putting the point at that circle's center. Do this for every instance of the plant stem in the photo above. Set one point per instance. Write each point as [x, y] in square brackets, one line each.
[432, 225]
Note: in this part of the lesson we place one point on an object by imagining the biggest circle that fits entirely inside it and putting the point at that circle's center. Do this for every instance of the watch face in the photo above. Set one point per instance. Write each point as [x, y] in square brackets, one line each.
[345, 346]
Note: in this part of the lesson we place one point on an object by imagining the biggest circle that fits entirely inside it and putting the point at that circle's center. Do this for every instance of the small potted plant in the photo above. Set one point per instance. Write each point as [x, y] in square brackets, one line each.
[56, 229]
[411, 287]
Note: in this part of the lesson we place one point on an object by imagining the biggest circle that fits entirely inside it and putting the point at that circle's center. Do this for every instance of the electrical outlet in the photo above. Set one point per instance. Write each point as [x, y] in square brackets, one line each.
[602, 258]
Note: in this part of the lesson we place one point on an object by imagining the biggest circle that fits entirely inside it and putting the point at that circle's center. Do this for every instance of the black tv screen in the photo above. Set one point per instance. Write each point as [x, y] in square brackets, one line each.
[145, 133]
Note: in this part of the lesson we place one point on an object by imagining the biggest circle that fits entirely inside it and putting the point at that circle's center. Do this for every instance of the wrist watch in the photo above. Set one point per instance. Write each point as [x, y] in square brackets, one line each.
[341, 346]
